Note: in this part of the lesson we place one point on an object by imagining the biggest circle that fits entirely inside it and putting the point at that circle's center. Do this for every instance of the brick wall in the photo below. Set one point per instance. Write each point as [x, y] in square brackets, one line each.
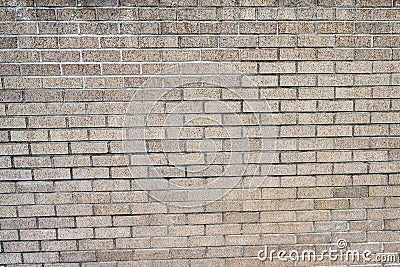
[323, 91]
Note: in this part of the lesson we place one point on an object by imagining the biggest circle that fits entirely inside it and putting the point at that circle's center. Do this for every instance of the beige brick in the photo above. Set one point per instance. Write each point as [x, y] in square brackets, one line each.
[296, 27]
[22, 246]
[74, 209]
[78, 42]
[58, 245]
[81, 69]
[56, 222]
[372, 54]
[146, 254]
[197, 14]
[347, 168]
[273, 41]
[316, 67]
[238, 41]
[38, 42]
[71, 161]
[83, 173]
[154, 14]
[40, 257]
[112, 232]
[371, 130]
[322, 192]
[25, 109]
[337, 130]
[37, 210]
[277, 67]
[222, 229]
[75, 233]
[40, 70]
[38, 234]
[15, 174]
[113, 255]
[95, 244]
[89, 147]
[297, 131]
[26, 162]
[110, 209]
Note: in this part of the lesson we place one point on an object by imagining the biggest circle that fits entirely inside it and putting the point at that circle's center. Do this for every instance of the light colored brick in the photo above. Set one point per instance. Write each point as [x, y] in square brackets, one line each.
[75, 233]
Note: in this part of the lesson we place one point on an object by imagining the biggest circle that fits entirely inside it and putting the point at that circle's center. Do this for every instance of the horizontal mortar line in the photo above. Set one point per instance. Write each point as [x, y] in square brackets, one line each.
[19, 18]
[194, 7]
[61, 36]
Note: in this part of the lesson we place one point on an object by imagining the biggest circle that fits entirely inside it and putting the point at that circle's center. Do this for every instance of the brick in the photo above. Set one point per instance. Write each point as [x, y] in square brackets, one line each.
[350, 41]
[296, 27]
[56, 222]
[346, 168]
[273, 41]
[49, 148]
[117, 13]
[353, 14]
[82, 173]
[25, 162]
[58, 28]
[354, 67]
[112, 232]
[159, 42]
[9, 70]
[372, 28]
[75, 256]
[38, 234]
[197, 14]
[58, 245]
[15, 175]
[65, 186]
[38, 210]
[10, 258]
[372, 54]
[374, 3]
[315, 14]
[20, 28]
[241, 41]
[40, 257]
[78, 42]
[199, 41]
[23, 246]
[267, 13]
[62, 83]
[7, 14]
[75, 233]
[8, 42]
[370, 130]
[38, 42]
[81, 69]
[98, 28]
[74, 210]
[257, 27]
[76, 14]
[219, 28]
[280, 67]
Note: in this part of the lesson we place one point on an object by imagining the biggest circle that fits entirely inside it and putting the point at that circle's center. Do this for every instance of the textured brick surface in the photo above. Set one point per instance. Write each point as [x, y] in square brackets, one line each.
[328, 70]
